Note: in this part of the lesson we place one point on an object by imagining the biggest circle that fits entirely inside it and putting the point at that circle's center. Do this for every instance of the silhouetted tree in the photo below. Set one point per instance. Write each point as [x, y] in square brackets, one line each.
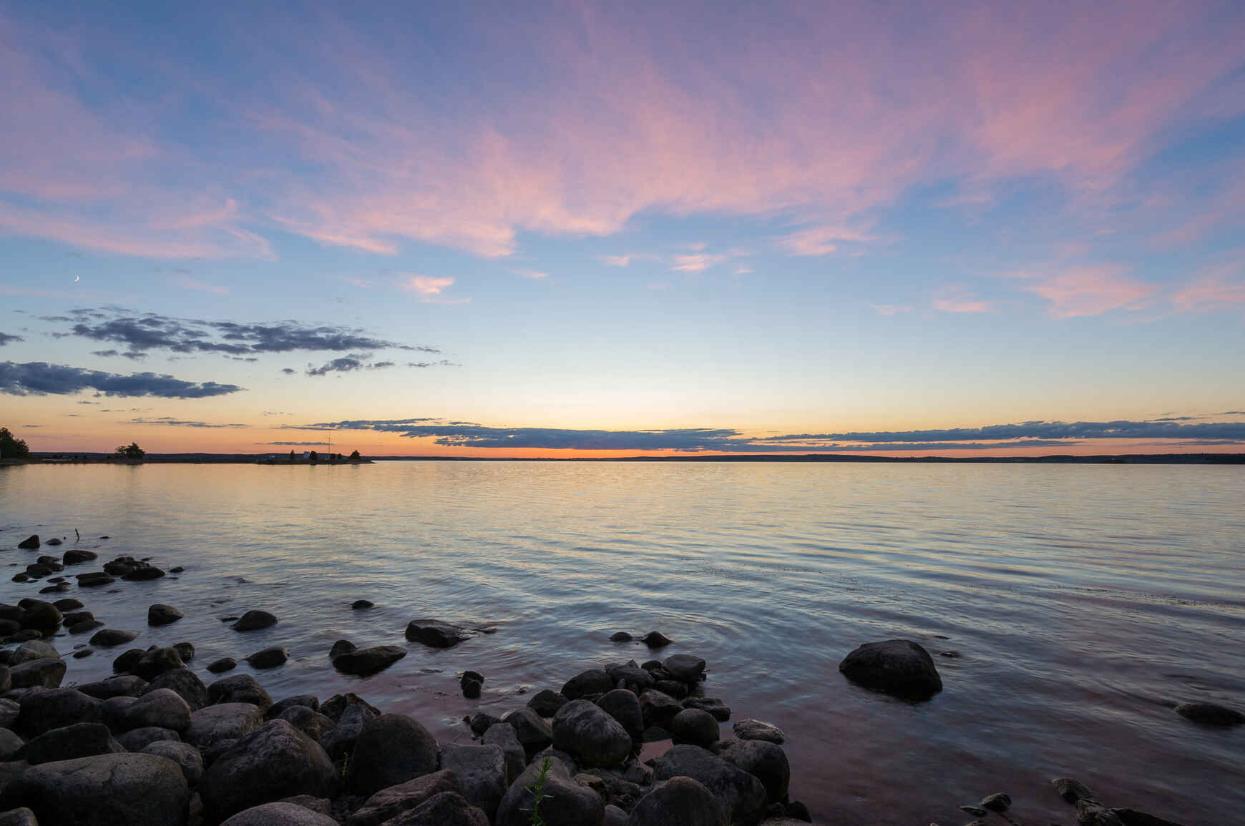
[131, 451]
[315, 457]
[354, 456]
[291, 455]
[12, 447]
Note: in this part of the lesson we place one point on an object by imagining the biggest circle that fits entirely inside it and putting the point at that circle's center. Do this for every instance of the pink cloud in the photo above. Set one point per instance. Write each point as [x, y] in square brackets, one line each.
[821, 240]
[696, 262]
[959, 300]
[1221, 288]
[431, 289]
[1092, 290]
[891, 309]
[351, 149]
[616, 260]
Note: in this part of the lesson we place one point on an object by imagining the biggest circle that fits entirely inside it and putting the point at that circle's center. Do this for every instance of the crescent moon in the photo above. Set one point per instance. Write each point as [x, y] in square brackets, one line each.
[77, 278]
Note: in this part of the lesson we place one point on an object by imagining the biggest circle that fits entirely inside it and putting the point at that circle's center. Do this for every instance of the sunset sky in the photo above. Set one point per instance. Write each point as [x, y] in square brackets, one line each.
[608, 229]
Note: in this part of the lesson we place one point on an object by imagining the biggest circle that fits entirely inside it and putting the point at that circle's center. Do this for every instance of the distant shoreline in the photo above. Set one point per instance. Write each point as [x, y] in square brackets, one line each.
[52, 458]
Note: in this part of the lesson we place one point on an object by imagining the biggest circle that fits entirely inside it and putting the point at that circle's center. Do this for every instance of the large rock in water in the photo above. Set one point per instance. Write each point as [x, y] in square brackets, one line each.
[899, 667]
[565, 802]
[391, 749]
[588, 733]
[267, 765]
[105, 790]
[1210, 714]
[680, 800]
[742, 795]
[435, 633]
[279, 814]
[364, 662]
[254, 621]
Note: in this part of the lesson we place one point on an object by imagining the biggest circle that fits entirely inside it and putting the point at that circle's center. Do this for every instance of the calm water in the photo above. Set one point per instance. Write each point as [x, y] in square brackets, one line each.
[1078, 598]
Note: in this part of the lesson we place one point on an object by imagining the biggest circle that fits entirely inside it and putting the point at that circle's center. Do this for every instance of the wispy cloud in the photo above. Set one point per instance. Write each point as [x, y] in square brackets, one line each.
[1222, 287]
[616, 260]
[430, 289]
[169, 421]
[5, 338]
[37, 378]
[535, 275]
[1092, 291]
[960, 300]
[824, 240]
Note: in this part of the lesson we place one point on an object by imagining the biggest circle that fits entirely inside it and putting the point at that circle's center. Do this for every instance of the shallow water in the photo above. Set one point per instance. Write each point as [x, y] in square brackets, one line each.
[1079, 599]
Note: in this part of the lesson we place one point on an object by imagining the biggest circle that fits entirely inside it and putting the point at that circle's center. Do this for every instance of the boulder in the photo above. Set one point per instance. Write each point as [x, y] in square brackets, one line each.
[240, 688]
[515, 757]
[163, 708]
[222, 665]
[391, 749]
[271, 763]
[435, 633]
[757, 730]
[530, 728]
[9, 710]
[481, 773]
[273, 657]
[1210, 714]
[70, 742]
[685, 667]
[564, 802]
[105, 790]
[364, 662]
[763, 760]
[624, 707]
[184, 683]
[155, 661]
[160, 614]
[76, 556]
[691, 725]
[125, 685]
[546, 702]
[898, 667]
[339, 741]
[18, 817]
[279, 814]
[719, 710]
[222, 723]
[33, 650]
[139, 738]
[621, 636]
[112, 637]
[362, 604]
[55, 708]
[10, 745]
[445, 809]
[183, 754]
[307, 700]
[37, 674]
[254, 621]
[592, 682]
[390, 802]
[655, 639]
[741, 795]
[630, 676]
[310, 722]
[30, 543]
[680, 800]
[590, 735]
[658, 708]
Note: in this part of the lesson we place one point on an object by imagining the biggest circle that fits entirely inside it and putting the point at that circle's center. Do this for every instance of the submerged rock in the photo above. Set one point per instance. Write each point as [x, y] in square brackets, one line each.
[899, 667]
[1210, 714]
[435, 633]
[222, 665]
[29, 543]
[273, 657]
[111, 637]
[364, 662]
[254, 621]
[655, 639]
[159, 614]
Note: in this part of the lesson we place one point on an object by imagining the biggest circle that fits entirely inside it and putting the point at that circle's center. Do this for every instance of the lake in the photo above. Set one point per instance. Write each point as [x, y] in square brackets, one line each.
[1077, 600]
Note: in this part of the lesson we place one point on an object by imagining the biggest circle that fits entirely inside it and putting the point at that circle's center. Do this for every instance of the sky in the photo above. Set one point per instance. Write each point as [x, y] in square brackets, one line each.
[601, 229]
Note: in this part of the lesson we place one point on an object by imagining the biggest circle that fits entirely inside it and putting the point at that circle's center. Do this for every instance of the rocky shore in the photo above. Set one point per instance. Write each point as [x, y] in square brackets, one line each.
[638, 743]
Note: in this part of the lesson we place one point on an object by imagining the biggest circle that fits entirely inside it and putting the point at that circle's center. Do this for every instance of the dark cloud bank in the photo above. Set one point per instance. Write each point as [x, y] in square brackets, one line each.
[729, 440]
[38, 378]
[5, 338]
[142, 332]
